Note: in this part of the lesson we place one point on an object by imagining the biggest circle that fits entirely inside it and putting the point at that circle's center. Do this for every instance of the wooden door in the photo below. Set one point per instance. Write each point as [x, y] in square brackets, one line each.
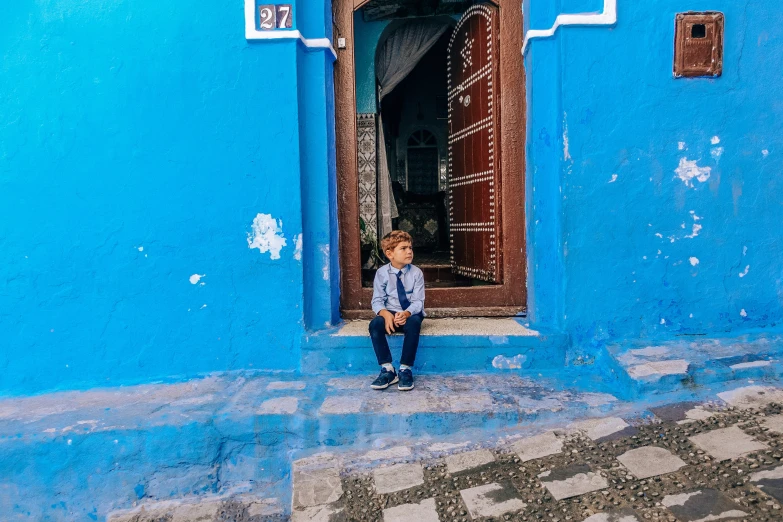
[474, 154]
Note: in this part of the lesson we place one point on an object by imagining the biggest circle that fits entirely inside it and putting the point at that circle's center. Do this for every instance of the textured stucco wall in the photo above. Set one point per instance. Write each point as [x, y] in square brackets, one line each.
[654, 202]
[139, 141]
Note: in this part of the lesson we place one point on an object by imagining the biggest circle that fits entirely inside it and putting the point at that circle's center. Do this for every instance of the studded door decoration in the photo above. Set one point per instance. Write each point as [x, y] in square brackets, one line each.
[474, 159]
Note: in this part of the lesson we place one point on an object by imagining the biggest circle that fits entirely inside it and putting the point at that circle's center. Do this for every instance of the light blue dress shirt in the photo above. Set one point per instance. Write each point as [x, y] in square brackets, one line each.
[384, 289]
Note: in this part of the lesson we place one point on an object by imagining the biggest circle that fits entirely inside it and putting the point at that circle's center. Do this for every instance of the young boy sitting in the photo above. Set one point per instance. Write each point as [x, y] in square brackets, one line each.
[398, 303]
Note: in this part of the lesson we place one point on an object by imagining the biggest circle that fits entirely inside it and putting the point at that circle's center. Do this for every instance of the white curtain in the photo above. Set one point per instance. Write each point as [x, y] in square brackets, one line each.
[396, 58]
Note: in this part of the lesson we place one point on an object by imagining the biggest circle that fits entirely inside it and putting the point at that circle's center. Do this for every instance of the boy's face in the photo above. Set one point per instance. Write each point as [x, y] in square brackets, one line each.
[401, 255]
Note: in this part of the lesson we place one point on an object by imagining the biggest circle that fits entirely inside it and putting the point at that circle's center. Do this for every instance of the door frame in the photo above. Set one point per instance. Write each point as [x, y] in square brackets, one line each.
[508, 298]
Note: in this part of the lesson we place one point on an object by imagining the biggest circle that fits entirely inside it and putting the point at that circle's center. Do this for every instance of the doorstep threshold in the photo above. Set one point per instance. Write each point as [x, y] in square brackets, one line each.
[439, 313]
[466, 326]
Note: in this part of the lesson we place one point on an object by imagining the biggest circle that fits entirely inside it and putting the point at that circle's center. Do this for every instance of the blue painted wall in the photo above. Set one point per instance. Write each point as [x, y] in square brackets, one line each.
[620, 244]
[139, 141]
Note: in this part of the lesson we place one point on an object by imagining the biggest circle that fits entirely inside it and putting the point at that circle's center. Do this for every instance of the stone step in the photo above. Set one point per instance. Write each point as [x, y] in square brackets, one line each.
[682, 460]
[650, 368]
[446, 345]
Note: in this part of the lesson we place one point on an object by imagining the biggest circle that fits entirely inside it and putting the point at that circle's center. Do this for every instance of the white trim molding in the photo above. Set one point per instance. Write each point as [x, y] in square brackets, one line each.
[251, 33]
[607, 17]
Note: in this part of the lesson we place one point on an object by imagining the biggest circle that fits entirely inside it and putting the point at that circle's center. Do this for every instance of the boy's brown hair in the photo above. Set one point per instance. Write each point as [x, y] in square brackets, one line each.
[394, 238]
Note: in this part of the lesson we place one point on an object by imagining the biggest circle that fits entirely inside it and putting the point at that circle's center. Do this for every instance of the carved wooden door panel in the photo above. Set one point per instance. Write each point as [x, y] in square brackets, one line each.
[474, 155]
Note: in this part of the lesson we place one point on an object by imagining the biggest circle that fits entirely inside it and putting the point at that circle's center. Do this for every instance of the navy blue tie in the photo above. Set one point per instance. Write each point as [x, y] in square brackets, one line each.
[401, 295]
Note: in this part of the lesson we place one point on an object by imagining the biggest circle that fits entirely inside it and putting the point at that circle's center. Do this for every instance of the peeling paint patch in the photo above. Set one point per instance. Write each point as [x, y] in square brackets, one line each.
[502, 362]
[716, 153]
[195, 278]
[694, 261]
[743, 313]
[689, 170]
[267, 235]
[745, 272]
[566, 153]
[681, 145]
[715, 140]
[140, 249]
[298, 247]
[614, 178]
[765, 153]
[694, 231]
[325, 253]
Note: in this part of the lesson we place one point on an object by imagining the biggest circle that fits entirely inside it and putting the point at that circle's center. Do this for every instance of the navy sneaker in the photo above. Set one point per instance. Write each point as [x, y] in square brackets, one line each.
[384, 380]
[406, 380]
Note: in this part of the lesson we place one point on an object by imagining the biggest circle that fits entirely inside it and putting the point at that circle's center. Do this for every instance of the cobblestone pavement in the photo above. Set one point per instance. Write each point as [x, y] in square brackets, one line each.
[686, 463]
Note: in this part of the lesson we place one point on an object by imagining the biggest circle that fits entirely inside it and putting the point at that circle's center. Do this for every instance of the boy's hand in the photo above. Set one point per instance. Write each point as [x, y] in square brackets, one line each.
[389, 318]
[400, 318]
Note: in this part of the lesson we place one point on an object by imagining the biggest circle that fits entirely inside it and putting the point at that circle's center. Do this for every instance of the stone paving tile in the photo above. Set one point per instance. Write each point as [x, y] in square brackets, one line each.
[572, 481]
[702, 506]
[770, 482]
[328, 513]
[538, 446]
[398, 477]
[338, 405]
[316, 487]
[650, 461]
[659, 369]
[468, 460]
[491, 500]
[752, 396]
[598, 429]
[727, 443]
[279, 406]
[424, 511]
[620, 515]
[682, 412]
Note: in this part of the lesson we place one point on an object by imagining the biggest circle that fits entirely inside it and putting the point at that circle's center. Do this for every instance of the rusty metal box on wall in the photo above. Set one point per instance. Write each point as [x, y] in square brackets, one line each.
[698, 44]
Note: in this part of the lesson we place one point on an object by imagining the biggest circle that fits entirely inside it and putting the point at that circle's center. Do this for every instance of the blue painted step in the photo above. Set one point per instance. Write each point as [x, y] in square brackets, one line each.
[654, 368]
[446, 345]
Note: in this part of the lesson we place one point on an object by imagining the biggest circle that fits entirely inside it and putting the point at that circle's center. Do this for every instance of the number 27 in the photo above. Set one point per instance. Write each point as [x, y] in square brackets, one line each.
[275, 16]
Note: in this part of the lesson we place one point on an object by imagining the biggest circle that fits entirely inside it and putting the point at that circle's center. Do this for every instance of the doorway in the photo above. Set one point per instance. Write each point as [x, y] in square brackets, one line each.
[449, 152]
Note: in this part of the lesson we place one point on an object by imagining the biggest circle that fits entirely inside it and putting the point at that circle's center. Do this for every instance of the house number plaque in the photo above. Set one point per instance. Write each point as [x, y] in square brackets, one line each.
[275, 16]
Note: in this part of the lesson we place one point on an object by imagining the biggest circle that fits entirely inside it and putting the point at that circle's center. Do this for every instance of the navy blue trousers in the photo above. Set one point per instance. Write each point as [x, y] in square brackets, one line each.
[410, 344]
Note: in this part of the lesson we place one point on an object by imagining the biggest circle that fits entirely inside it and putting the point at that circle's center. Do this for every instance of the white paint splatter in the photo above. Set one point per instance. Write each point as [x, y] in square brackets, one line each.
[716, 153]
[745, 272]
[694, 261]
[694, 231]
[140, 249]
[614, 178]
[691, 316]
[298, 247]
[694, 216]
[688, 170]
[658, 234]
[715, 140]
[195, 278]
[681, 145]
[765, 153]
[744, 251]
[743, 313]
[267, 235]
[682, 225]
[663, 321]
[203, 306]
